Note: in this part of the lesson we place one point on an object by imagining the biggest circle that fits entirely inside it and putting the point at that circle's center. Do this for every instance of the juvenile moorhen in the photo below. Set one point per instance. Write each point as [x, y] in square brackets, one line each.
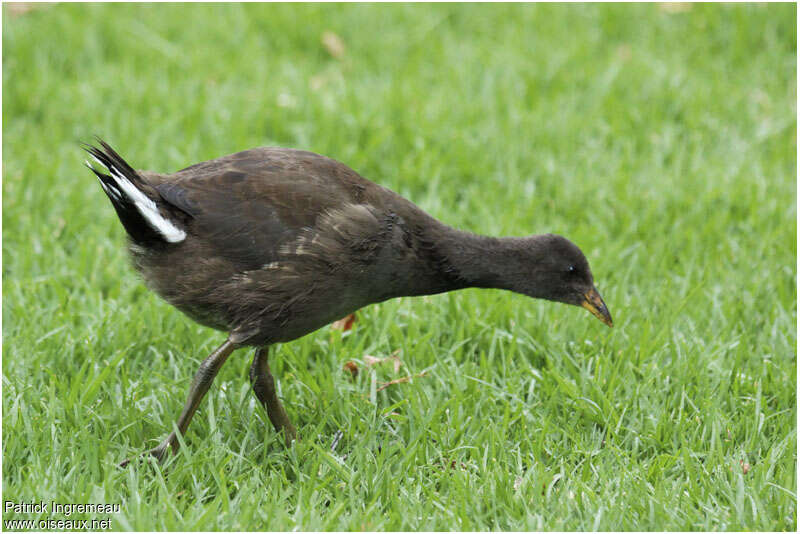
[270, 244]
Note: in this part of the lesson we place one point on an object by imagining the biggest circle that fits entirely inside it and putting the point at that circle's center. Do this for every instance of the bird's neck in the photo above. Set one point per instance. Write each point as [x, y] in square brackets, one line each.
[446, 259]
[477, 260]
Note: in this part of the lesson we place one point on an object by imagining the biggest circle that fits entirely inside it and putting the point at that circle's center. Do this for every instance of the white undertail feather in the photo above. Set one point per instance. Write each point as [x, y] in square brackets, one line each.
[145, 205]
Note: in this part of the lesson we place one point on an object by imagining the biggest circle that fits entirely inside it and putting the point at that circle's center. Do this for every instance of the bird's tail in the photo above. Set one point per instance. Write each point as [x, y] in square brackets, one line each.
[138, 204]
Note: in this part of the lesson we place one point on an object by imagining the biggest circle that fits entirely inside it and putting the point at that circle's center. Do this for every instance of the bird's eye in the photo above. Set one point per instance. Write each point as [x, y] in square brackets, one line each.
[571, 269]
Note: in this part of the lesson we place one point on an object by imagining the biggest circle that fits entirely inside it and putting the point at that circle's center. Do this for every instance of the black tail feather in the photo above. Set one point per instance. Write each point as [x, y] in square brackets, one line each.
[140, 230]
[109, 158]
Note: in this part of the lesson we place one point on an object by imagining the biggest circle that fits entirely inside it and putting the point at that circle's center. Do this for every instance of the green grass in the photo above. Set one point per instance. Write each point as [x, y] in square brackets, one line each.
[663, 143]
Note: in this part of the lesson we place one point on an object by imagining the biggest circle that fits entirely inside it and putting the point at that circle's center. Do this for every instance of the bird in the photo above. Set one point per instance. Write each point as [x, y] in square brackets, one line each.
[270, 244]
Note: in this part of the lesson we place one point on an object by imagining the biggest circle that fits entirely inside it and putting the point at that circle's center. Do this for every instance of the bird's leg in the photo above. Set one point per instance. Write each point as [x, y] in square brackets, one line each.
[264, 388]
[202, 381]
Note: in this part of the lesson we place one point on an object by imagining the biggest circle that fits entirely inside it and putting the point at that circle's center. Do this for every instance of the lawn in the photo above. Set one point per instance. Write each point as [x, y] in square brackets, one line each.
[659, 139]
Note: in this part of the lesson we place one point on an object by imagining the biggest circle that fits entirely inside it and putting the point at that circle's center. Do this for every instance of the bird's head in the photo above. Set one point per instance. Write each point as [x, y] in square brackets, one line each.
[552, 267]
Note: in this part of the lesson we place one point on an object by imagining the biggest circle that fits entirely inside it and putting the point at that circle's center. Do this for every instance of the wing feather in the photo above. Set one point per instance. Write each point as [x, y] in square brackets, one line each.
[247, 205]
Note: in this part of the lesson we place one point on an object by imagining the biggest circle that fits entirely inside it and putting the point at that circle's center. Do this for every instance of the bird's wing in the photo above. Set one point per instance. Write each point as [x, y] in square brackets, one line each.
[248, 205]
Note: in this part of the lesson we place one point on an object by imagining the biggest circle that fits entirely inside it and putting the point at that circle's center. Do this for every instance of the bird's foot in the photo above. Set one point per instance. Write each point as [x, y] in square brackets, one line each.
[290, 434]
[160, 453]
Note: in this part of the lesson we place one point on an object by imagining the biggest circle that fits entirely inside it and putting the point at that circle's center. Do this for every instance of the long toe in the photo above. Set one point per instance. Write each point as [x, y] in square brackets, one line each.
[290, 434]
[159, 453]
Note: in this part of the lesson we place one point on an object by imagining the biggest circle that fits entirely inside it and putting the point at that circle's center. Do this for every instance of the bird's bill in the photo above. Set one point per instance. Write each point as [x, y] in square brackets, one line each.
[593, 302]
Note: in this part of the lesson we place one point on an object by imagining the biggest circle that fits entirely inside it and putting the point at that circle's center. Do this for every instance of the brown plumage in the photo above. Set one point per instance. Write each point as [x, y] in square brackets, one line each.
[270, 244]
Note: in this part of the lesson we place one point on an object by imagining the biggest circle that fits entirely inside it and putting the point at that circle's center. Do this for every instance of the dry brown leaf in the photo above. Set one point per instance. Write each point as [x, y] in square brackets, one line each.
[396, 363]
[351, 367]
[674, 7]
[333, 44]
[16, 9]
[345, 323]
[745, 467]
[400, 380]
[445, 463]
[372, 360]
[624, 52]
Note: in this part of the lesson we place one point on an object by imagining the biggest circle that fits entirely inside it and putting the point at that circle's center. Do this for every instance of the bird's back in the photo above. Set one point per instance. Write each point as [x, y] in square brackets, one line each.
[245, 206]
